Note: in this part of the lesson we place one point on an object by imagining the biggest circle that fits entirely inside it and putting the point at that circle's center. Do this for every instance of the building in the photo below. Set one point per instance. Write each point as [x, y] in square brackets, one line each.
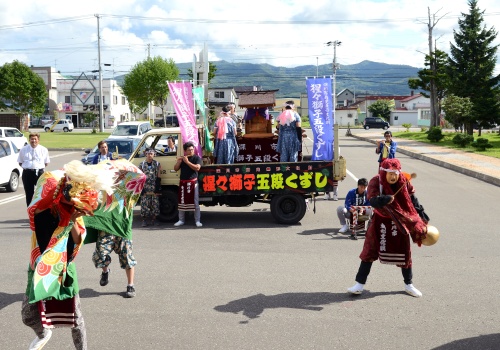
[77, 97]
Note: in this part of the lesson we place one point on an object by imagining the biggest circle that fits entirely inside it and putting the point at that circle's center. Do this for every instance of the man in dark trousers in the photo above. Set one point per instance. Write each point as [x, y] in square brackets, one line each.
[189, 165]
[33, 158]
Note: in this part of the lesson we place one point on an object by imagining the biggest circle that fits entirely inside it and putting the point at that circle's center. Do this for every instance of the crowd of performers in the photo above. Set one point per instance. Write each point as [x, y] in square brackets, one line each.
[229, 125]
[94, 204]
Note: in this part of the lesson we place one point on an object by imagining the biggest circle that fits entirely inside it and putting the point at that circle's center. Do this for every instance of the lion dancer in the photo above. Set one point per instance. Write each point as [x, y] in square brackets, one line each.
[394, 221]
[51, 300]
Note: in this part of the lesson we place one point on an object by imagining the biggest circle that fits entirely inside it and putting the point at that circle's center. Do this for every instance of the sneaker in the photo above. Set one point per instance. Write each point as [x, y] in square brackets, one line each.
[414, 292]
[344, 229]
[144, 223]
[130, 293]
[104, 278]
[39, 343]
[179, 223]
[198, 224]
[335, 198]
[354, 237]
[326, 197]
[356, 289]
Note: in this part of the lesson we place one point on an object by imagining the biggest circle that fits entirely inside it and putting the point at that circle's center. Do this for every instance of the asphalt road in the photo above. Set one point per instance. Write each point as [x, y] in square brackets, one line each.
[244, 282]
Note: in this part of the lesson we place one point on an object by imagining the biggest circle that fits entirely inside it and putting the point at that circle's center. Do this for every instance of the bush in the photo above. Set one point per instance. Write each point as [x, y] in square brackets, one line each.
[435, 134]
[407, 126]
[423, 129]
[462, 139]
[481, 144]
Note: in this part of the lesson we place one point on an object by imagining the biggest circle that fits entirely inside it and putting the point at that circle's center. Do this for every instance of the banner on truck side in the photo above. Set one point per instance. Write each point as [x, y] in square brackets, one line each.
[319, 94]
[182, 99]
[275, 178]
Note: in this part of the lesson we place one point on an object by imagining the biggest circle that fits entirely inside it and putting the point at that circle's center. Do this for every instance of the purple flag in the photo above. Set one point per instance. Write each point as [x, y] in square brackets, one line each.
[319, 94]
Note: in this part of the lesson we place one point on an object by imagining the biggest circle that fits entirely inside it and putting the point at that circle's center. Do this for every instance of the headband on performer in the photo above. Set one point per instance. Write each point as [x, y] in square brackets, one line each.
[396, 171]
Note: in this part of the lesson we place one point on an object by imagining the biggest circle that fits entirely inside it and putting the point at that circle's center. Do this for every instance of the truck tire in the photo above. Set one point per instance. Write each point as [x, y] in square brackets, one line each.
[168, 206]
[288, 209]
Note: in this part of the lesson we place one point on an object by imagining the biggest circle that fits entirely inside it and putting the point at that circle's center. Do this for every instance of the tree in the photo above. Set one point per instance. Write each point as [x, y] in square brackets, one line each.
[471, 65]
[22, 90]
[212, 68]
[439, 61]
[382, 108]
[148, 82]
[458, 110]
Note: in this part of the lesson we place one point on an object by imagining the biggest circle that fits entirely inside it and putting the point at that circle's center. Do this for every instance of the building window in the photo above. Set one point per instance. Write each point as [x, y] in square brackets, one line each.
[67, 99]
[115, 99]
[96, 99]
[123, 100]
[219, 94]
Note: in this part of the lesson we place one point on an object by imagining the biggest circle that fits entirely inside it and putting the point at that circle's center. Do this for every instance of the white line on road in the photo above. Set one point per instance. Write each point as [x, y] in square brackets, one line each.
[11, 199]
[352, 175]
[61, 155]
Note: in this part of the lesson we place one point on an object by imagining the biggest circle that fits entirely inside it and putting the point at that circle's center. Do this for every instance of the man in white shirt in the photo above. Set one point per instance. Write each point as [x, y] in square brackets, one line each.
[33, 158]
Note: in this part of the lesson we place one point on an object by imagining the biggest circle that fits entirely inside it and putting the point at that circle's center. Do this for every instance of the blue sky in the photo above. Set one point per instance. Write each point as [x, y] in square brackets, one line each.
[279, 32]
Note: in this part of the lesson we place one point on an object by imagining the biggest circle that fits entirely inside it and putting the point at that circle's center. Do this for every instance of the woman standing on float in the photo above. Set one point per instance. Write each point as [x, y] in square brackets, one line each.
[288, 140]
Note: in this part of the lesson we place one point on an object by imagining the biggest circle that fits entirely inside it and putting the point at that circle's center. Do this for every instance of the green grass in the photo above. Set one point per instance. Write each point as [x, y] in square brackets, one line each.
[69, 139]
[492, 137]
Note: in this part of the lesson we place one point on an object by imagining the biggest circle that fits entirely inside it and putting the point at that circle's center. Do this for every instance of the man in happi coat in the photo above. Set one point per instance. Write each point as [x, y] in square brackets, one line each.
[395, 221]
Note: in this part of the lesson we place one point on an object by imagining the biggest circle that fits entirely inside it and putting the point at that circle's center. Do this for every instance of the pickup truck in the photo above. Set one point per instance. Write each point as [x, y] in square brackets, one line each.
[285, 186]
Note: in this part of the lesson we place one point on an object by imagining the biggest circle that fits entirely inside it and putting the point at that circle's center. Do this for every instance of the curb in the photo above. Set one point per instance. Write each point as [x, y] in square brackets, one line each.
[475, 174]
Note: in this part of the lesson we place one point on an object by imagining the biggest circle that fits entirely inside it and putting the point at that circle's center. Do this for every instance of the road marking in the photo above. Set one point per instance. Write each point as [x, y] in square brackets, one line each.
[11, 199]
[62, 155]
[352, 175]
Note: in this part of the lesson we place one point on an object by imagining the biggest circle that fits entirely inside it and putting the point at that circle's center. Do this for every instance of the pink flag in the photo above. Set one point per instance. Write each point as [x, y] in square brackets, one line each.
[182, 98]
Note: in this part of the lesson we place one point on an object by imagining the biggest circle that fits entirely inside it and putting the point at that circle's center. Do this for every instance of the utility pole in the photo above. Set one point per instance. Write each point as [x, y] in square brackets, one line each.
[101, 110]
[435, 112]
[149, 92]
[335, 67]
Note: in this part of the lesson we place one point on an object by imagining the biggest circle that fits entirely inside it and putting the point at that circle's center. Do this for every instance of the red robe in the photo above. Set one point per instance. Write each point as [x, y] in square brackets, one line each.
[388, 237]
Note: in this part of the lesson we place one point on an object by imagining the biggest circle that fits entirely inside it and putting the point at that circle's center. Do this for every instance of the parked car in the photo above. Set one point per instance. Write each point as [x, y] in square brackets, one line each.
[13, 135]
[171, 121]
[60, 125]
[125, 146]
[10, 171]
[376, 123]
[131, 129]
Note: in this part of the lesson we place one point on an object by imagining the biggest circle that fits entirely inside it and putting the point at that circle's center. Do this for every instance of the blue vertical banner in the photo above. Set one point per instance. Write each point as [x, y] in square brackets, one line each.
[319, 95]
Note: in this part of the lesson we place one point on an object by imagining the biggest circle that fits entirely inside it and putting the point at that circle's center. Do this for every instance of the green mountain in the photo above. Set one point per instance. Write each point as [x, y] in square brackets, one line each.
[363, 78]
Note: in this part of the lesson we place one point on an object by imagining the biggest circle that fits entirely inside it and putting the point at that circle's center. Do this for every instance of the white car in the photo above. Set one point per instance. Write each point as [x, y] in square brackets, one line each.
[10, 171]
[131, 129]
[61, 125]
[13, 135]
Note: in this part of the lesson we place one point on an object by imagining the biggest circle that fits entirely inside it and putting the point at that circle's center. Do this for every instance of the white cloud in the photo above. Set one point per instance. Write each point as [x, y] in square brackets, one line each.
[378, 30]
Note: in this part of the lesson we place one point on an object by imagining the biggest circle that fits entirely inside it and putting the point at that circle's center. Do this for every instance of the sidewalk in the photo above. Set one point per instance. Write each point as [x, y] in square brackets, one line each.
[471, 164]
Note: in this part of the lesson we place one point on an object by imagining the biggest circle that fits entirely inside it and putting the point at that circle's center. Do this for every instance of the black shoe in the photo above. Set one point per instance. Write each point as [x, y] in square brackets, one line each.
[354, 237]
[130, 293]
[104, 278]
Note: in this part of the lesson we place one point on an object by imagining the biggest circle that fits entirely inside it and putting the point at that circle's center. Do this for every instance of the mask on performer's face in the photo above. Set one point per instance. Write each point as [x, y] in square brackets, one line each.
[392, 177]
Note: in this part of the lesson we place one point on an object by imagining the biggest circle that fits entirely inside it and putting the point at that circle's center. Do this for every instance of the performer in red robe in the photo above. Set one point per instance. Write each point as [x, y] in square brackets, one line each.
[394, 222]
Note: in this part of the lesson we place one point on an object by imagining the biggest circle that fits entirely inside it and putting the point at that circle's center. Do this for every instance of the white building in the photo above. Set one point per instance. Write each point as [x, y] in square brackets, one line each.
[76, 97]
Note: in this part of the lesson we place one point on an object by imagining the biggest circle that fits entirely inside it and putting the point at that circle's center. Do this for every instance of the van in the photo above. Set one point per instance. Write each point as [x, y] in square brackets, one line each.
[376, 123]
[131, 129]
